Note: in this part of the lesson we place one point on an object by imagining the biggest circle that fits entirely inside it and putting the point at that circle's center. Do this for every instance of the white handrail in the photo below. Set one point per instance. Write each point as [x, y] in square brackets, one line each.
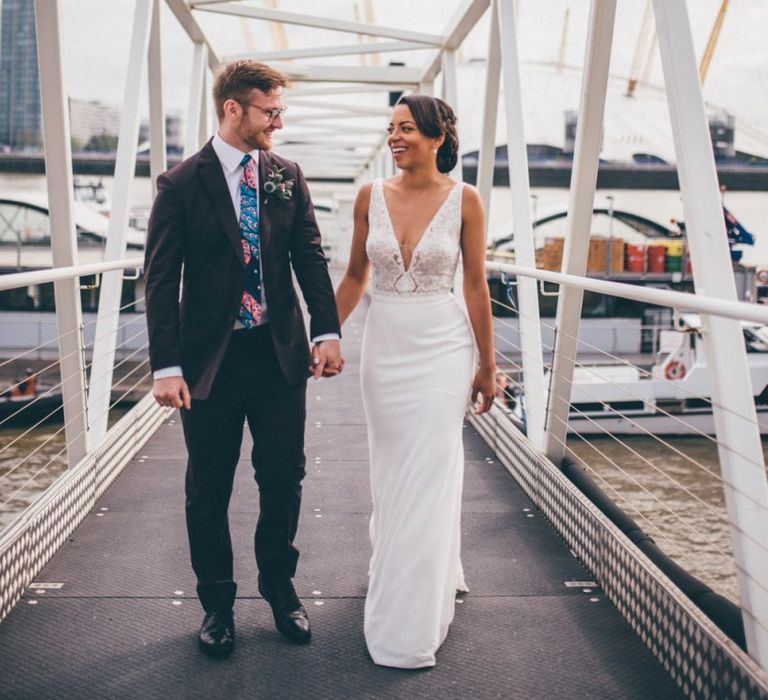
[739, 310]
[15, 280]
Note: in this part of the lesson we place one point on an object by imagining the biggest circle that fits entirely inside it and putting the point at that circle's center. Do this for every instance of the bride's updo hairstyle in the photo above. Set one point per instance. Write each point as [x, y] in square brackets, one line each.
[435, 118]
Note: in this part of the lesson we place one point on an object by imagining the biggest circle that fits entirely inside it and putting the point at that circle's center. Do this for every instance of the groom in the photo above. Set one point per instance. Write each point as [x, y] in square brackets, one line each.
[229, 224]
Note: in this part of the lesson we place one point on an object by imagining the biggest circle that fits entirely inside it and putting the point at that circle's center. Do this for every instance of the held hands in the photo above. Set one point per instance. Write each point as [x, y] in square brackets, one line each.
[172, 391]
[326, 359]
[484, 384]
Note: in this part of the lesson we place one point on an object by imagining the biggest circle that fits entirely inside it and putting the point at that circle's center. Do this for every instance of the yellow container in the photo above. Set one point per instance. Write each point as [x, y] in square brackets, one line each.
[674, 248]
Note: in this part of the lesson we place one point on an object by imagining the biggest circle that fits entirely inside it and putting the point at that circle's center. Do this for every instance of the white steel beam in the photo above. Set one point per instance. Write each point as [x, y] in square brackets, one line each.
[341, 107]
[581, 201]
[451, 96]
[324, 140]
[326, 157]
[525, 254]
[196, 85]
[189, 24]
[158, 162]
[487, 153]
[112, 282]
[15, 280]
[348, 89]
[311, 118]
[348, 129]
[461, 24]
[58, 168]
[318, 22]
[202, 125]
[324, 51]
[372, 75]
[739, 446]
[738, 310]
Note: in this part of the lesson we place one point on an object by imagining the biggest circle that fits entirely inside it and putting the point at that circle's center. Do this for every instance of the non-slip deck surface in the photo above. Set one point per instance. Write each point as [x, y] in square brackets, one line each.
[123, 623]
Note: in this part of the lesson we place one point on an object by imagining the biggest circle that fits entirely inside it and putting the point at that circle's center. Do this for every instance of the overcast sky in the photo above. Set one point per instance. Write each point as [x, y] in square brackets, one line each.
[97, 39]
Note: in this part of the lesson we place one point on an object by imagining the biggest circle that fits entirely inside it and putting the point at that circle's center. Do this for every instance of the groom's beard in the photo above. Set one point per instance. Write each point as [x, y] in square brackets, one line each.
[260, 139]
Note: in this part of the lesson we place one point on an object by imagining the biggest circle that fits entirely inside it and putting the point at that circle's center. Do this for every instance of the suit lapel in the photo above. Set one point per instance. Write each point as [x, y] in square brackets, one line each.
[265, 230]
[213, 180]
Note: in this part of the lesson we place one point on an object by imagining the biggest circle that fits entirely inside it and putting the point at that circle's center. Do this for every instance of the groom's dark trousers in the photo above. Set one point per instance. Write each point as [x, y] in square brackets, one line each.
[213, 430]
[255, 377]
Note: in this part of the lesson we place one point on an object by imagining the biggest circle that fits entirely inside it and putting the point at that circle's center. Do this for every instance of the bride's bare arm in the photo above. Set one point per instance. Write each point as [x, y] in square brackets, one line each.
[353, 284]
[476, 295]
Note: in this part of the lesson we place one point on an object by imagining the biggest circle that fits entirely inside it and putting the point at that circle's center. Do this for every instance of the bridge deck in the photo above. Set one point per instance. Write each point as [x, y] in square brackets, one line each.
[123, 622]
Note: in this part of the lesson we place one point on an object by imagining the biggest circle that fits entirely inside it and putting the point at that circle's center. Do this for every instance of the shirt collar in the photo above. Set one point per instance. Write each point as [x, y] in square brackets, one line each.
[230, 156]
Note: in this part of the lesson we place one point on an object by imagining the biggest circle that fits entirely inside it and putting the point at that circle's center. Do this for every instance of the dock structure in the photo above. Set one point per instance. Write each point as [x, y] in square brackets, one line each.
[97, 596]
[114, 612]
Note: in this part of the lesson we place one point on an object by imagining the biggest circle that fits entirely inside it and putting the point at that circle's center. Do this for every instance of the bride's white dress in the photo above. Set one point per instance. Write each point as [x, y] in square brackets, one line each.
[416, 374]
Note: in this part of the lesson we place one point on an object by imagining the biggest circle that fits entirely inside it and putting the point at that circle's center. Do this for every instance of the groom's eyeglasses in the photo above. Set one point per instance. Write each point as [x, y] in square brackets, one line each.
[272, 114]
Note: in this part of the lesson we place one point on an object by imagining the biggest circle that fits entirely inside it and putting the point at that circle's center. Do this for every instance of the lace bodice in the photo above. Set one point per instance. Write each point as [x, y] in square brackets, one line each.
[434, 259]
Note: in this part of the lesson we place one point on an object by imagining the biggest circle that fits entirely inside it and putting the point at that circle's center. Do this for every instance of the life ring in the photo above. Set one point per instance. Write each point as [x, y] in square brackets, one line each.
[762, 276]
[674, 370]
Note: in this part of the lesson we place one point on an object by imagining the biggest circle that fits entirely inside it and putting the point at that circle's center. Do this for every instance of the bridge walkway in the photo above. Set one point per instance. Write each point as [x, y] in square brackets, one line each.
[114, 613]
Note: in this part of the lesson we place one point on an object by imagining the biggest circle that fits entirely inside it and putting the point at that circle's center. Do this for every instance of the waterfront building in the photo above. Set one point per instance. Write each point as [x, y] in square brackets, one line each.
[89, 118]
[20, 115]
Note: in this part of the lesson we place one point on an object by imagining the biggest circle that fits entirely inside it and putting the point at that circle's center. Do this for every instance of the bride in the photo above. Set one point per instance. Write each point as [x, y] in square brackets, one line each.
[418, 375]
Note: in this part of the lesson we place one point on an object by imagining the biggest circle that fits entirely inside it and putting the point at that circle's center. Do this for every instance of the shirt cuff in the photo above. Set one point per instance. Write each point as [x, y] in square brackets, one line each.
[167, 372]
[326, 336]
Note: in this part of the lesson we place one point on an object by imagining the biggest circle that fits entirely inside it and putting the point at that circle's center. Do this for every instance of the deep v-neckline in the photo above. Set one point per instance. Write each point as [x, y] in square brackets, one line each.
[423, 233]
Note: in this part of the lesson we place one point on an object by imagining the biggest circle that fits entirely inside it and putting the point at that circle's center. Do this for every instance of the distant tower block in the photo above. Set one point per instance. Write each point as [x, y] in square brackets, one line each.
[571, 122]
[721, 131]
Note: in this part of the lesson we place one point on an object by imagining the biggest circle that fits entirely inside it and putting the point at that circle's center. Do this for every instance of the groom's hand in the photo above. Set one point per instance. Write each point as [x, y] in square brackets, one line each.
[326, 359]
[172, 391]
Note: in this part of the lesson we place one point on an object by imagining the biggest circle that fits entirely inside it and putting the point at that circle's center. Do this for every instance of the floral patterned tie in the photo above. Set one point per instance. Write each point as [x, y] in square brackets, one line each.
[250, 306]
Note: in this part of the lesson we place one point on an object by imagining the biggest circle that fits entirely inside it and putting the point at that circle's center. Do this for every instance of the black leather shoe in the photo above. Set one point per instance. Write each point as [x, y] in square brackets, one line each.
[217, 633]
[290, 617]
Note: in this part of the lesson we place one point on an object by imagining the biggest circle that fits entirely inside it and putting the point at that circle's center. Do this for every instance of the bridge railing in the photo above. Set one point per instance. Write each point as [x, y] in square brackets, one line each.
[702, 498]
[45, 491]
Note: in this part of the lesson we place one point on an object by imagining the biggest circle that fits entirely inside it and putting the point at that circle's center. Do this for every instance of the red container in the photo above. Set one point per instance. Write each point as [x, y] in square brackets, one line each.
[635, 257]
[656, 258]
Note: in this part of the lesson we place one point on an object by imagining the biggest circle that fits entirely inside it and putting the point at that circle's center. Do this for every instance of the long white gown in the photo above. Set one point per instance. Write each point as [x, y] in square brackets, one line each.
[416, 375]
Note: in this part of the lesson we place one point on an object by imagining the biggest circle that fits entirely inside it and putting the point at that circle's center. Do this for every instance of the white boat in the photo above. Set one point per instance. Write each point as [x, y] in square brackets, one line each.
[670, 398]
[25, 233]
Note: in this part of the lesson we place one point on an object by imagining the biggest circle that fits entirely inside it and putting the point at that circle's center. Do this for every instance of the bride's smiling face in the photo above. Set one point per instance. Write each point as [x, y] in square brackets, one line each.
[408, 145]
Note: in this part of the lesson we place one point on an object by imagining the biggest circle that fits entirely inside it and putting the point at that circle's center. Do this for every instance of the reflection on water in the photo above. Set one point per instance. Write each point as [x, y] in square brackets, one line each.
[30, 464]
[675, 494]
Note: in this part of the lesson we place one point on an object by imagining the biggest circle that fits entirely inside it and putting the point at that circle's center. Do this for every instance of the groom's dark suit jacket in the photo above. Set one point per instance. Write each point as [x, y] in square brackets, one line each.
[193, 223]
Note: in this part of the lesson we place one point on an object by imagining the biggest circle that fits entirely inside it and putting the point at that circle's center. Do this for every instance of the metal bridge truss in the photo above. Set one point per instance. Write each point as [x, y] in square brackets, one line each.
[704, 662]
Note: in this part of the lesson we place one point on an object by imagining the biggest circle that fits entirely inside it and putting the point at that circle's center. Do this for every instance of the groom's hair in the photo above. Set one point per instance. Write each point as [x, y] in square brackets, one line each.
[235, 80]
[434, 118]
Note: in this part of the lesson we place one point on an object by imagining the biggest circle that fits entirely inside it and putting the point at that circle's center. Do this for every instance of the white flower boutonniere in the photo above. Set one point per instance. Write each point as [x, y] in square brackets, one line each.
[278, 186]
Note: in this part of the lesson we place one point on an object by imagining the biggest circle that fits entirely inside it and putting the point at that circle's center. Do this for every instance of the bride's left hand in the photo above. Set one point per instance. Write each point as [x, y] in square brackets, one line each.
[484, 384]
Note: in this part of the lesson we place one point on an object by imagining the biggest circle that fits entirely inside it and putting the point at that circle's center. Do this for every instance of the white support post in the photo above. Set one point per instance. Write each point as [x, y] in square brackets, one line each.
[108, 318]
[451, 96]
[426, 87]
[487, 155]
[158, 162]
[58, 167]
[581, 202]
[203, 126]
[525, 254]
[196, 84]
[739, 447]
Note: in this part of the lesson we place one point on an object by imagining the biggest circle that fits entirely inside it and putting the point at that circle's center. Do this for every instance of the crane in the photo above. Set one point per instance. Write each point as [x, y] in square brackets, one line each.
[706, 57]
[646, 29]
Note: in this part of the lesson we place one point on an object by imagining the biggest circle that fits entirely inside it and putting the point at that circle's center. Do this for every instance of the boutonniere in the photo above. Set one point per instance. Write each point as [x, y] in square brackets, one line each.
[277, 185]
